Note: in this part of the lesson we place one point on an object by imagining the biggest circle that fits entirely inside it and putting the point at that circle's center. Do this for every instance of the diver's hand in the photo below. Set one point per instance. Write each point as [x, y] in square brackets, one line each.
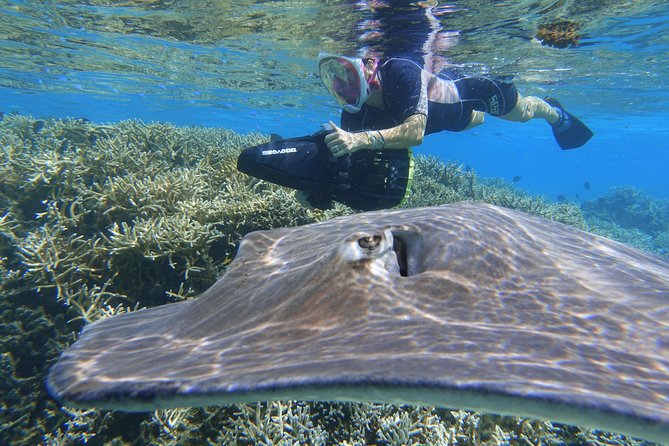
[340, 142]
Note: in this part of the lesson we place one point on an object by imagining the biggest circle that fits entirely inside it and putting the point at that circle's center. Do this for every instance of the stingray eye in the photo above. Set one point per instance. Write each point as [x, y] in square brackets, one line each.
[365, 246]
[369, 242]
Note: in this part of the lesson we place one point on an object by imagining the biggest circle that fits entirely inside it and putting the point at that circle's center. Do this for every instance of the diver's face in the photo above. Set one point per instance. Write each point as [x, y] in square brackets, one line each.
[368, 68]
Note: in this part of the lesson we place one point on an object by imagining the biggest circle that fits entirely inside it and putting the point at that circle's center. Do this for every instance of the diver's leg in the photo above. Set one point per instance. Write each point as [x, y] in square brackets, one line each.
[475, 120]
[501, 99]
[532, 107]
[568, 130]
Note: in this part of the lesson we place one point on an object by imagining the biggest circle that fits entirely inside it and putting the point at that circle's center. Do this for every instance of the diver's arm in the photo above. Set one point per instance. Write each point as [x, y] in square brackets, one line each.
[408, 134]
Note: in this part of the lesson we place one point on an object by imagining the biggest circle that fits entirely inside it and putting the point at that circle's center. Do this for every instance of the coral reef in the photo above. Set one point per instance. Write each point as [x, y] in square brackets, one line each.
[562, 34]
[98, 220]
[629, 215]
[631, 208]
[101, 219]
[439, 183]
[30, 339]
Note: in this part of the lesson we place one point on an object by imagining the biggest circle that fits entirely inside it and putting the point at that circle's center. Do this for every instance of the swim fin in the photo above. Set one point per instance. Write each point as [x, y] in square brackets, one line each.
[569, 131]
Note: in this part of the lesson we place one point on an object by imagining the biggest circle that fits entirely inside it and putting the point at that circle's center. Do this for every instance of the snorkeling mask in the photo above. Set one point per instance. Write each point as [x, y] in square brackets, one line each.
[345, 79]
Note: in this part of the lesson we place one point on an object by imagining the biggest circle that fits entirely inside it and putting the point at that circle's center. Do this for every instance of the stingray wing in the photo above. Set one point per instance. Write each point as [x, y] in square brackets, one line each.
[498, 311]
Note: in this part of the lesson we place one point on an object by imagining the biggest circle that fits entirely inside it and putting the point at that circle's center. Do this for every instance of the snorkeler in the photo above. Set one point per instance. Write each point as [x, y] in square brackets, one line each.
[390, 102]
[389, 106]
[394, 103]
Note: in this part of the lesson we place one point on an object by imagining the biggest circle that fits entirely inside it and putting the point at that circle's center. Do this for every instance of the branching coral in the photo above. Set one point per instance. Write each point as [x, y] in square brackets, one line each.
[132, 209]
[11, 276]
[631, 208]
[54, 259]
[272, 423]
[29, 339]
[325, 423]
[502, 194]
[436, 182]
[629, 215]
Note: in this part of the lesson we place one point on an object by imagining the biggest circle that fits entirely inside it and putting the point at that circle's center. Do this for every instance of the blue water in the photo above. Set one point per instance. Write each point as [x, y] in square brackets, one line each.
[257, 72]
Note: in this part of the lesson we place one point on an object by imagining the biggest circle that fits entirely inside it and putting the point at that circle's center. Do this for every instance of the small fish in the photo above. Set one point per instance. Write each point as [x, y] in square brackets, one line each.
[37, 126]
[586, 185]
[517, 178]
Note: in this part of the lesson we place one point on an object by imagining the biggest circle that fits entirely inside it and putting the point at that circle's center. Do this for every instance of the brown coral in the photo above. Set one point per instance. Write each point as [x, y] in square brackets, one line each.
[562, 34]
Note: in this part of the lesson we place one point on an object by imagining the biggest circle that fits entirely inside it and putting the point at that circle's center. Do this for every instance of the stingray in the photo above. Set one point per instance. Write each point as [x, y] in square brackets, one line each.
[466, 306]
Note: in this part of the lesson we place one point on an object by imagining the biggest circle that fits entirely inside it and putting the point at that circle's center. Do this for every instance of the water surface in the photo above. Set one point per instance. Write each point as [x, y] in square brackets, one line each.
[250, 65]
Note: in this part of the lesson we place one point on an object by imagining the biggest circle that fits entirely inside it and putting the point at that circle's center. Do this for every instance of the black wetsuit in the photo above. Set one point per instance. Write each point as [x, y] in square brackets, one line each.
[447, 103]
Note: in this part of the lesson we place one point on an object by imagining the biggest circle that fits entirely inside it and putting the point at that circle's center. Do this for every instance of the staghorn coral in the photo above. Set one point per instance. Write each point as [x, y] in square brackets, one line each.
[135, 201]
[629, 215]
[324, 423]
[101, 219]
[273, 423]
[436, 182]
[630, 236]
[631, 208]
[662, 243]
[30, 338]
[11, 280]
[502, 194]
